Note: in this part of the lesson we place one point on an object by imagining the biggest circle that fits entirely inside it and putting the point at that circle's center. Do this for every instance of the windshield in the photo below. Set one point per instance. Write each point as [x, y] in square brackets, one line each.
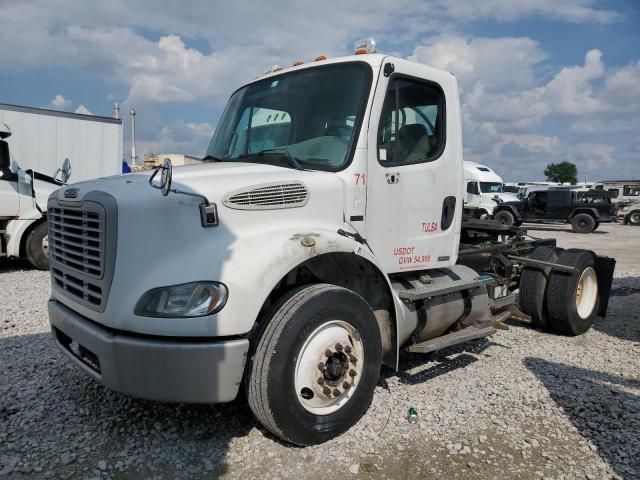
[308, 118]
[490, 187]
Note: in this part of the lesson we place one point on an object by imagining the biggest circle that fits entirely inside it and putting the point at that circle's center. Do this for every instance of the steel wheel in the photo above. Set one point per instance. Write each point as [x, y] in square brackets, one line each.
[329, 367]
[587, 292]
[45, 245]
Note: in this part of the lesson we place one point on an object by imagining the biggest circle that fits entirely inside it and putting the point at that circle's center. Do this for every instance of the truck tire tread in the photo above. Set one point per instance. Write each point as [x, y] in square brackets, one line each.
[533, 286]
[561, 303]
[261, 363]
[33, 247]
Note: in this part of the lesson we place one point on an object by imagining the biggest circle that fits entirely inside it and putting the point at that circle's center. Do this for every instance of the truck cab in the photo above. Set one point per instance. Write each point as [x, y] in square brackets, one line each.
[320, 236]
[484, 190]
[23, 200]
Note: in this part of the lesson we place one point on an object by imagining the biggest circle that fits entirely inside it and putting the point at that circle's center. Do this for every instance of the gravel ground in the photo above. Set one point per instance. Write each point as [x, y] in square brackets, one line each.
[522, 404]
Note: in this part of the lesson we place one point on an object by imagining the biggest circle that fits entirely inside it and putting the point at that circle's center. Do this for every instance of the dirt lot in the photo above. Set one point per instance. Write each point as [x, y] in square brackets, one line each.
[522, 404]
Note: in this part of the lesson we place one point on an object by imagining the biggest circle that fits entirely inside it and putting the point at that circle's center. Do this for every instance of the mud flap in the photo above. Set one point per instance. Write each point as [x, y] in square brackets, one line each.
[604, 270]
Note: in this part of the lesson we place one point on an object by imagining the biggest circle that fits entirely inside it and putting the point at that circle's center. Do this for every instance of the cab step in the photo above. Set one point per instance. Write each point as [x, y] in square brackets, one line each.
[470, 333]
[422, 291]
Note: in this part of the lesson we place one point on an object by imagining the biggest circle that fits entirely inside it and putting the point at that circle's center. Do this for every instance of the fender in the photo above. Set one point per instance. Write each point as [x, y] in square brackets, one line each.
[16, 230]
[284, 251]
[590, 211]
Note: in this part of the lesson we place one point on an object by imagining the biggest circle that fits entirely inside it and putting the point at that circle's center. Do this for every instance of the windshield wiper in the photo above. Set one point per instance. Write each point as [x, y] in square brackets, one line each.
[211, 158]
[293, 161]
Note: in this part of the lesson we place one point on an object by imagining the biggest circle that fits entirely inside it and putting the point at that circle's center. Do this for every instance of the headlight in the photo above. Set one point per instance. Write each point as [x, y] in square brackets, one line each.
[195, 299]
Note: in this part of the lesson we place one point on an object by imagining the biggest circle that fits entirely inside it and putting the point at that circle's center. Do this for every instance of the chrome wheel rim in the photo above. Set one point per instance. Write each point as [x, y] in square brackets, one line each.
[329, 367]
[45, 245]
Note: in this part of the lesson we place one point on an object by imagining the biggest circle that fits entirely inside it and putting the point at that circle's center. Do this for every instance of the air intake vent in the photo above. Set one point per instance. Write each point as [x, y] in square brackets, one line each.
[268, 196]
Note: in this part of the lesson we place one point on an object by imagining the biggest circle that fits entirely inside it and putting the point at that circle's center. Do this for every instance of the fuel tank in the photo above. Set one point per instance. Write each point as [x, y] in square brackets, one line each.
[433, 316]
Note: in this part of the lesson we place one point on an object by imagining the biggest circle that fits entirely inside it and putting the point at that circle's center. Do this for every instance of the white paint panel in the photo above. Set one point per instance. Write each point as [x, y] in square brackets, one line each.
[42, 141]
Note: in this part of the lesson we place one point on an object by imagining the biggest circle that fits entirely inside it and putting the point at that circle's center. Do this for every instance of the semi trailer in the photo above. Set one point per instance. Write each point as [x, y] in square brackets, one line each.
[303, 254]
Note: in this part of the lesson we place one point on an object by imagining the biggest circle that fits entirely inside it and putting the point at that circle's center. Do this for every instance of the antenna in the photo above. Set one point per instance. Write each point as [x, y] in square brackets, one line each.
[133, 136]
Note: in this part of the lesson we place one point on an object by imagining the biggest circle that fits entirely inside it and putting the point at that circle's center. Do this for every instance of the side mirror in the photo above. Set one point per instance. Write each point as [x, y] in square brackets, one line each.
[5, 159]
[166, 172]
[66, 170]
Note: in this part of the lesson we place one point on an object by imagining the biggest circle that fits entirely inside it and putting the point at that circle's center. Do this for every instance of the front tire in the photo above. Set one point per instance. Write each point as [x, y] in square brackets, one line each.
[37, 247]
[583, 223]
[316, 364]
[634, 217]
[504, 217]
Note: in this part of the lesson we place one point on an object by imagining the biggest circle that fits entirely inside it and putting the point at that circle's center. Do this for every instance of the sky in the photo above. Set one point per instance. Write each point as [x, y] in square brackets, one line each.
[541, 80]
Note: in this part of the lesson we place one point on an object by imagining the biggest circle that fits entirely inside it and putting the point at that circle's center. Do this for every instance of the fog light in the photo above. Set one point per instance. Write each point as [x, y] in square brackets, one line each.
[195, 299]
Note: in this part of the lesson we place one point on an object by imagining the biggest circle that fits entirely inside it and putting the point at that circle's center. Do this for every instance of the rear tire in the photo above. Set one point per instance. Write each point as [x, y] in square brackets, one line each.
[504, 217]
[583, 223]
[37, 247]
[533, 285]
[573, 298]
[283, 385]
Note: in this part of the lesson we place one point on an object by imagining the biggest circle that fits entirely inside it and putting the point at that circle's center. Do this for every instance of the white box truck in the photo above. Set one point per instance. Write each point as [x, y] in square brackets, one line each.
[40, 142]
[303, 254]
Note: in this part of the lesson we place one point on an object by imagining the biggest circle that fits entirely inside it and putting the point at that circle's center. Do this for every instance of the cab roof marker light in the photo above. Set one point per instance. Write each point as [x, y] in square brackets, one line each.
[296, 63]
[319, 58]
[276, 68]
[364, 46]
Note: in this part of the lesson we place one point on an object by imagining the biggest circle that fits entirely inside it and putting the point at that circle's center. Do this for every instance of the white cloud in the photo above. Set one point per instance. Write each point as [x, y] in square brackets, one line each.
[576, 11]
[201, 53]
[59, 103]
[181, 137]
[495, 63]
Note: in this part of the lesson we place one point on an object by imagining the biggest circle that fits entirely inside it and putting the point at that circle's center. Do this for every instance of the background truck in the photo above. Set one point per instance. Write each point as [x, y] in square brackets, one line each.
[295, 262]
[23, 206]
[585, 210]
[628, 211]
[43, 138]
[484, 191]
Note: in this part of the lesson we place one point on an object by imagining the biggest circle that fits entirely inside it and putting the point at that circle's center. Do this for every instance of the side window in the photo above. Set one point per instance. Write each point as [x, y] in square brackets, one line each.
[559, 198]
[411, 126]
[472, 187]
[631, 191]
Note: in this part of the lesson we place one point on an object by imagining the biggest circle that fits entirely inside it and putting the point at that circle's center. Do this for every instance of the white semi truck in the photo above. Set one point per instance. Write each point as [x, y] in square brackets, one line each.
[23, 205]
[303, 254]
[484, 190]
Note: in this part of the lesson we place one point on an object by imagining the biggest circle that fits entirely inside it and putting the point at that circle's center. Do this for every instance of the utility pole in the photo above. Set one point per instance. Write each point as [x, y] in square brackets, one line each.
[116, 110]
[133, 137]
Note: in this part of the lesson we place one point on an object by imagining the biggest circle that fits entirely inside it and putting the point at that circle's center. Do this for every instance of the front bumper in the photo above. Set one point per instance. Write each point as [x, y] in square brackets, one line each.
[155, 368]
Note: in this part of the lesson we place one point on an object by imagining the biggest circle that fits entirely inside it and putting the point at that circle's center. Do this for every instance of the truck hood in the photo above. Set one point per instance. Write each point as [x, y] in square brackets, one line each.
[147, 234]
[504, 196]
[215, 181]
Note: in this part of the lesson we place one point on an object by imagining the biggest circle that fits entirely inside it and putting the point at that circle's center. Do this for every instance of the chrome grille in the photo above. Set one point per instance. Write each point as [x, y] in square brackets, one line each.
[281, 195]
[76, 238]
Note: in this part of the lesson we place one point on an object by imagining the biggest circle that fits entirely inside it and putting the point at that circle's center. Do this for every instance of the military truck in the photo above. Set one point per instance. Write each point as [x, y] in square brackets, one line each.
[584, 210]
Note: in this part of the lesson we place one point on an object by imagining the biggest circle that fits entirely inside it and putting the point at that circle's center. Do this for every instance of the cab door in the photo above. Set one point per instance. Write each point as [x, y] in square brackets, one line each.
[414, 184]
